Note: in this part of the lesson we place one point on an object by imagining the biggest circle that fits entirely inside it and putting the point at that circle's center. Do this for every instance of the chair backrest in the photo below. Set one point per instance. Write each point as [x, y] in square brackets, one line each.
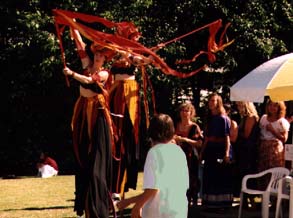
[284, 186]
[276, 174]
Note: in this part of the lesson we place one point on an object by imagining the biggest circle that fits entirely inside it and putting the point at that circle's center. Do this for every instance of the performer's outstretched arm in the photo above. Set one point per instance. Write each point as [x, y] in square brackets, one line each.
[79, 77]
[80, 45]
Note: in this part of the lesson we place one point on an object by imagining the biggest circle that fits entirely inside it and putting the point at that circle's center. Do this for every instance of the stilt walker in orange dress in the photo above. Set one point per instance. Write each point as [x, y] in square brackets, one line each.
[125, 104]
[92, 134]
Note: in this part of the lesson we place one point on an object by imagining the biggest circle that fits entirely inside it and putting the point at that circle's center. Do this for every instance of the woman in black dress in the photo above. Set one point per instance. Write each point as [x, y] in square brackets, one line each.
[189, 138]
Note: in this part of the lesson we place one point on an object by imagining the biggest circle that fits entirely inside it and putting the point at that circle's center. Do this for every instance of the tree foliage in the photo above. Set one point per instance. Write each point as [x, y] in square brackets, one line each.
[39, 103]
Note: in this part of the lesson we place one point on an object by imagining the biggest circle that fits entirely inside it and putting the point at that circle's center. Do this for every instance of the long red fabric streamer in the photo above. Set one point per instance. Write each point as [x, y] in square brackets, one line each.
[118, 44]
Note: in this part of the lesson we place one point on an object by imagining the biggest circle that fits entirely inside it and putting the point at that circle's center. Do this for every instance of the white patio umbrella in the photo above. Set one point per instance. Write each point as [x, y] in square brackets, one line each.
[274, 78]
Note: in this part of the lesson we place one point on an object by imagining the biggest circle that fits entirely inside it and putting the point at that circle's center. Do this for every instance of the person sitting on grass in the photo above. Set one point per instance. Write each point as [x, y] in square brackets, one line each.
[47, 166]
[165, 176]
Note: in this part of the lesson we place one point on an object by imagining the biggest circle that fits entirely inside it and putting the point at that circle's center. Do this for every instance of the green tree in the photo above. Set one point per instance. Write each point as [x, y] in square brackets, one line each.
[39, 102]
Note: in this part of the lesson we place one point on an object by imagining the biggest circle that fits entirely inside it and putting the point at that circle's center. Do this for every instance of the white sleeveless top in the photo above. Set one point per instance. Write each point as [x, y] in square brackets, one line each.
[280, 125]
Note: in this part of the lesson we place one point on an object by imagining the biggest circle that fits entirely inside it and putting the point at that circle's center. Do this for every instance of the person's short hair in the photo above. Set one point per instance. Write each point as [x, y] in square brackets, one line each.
[161, 128]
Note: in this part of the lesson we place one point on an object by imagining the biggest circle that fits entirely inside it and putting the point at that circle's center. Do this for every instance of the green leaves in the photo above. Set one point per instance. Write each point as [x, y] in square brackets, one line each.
[33, 69]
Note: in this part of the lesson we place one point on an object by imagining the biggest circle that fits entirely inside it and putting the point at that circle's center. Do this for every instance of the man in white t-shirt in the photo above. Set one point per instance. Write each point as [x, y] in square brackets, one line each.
[165, 176]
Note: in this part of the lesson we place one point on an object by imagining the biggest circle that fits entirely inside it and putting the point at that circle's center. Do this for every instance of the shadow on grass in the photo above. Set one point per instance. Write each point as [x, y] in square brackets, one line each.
[40, 208]
[125, 214]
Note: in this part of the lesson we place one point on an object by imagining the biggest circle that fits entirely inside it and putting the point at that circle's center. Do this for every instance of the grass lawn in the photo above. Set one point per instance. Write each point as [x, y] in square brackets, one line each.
[30, 197]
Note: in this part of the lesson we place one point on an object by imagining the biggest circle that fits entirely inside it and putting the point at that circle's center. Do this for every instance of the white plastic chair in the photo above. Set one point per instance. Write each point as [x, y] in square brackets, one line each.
[284, 193]
[276, 174]
[291, 200]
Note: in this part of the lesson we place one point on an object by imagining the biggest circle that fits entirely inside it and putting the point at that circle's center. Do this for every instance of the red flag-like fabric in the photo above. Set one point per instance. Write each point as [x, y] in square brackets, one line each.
[122, 44]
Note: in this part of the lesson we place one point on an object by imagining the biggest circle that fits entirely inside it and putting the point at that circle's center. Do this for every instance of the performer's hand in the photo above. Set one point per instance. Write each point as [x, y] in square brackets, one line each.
[67, 71]
[123, 204]
[161, 45]
[158, 47]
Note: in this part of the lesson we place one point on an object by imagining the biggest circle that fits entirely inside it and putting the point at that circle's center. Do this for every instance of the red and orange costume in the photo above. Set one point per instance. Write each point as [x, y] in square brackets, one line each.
[93, 150]
[124, 93]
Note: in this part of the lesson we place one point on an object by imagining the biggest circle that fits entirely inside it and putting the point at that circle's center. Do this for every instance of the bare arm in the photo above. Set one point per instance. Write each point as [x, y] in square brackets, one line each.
[77, 76]
[146, 196]
[203, 148]
[192, 142]
[139, 202]
[195, 140]
[80, 45]
[227, 151]
[233, 131]
[282, 136]
[136, 60]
